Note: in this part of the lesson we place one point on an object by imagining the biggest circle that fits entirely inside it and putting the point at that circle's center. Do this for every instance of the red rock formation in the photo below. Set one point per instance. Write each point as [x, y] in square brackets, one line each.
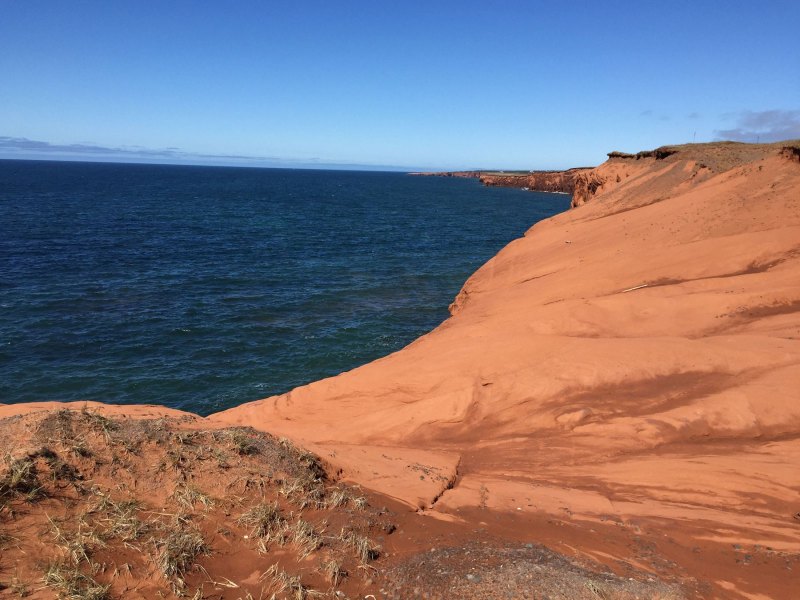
[538, 181]
[634, 361]
[467, 174]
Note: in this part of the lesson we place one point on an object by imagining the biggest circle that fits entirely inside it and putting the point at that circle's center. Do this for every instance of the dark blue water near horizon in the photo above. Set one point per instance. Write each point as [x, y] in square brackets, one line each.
[201, 288]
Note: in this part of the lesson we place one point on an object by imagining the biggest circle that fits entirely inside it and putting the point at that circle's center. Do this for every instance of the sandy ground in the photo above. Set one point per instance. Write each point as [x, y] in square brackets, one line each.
[96, 504]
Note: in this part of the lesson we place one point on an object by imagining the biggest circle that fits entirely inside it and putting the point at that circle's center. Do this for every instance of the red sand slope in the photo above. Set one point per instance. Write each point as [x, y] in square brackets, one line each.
[635, 360]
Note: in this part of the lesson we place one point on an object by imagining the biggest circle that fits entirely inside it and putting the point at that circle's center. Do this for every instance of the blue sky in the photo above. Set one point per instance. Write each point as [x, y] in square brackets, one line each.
[409, 84]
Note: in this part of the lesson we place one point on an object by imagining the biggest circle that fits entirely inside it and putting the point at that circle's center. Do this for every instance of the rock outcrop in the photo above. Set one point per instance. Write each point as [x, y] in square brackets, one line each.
[562, 182]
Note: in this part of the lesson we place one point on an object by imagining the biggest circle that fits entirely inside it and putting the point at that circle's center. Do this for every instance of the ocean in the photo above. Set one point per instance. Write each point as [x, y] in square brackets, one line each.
[201, 288]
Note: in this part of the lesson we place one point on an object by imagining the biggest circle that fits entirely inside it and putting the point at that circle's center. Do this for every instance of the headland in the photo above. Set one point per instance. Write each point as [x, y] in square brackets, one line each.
[614, 399]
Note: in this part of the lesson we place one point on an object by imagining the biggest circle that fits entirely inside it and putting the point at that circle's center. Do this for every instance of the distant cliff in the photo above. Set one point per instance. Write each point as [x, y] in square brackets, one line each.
[583, 183]
[536, 181]
[473, 174]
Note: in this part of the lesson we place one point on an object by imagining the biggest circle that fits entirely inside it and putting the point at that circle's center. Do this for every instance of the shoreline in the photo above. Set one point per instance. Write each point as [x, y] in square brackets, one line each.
[597, 373]
[552, 181]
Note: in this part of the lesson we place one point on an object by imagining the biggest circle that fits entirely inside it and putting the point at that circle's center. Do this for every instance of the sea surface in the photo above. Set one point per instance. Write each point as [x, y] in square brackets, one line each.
[201, 288]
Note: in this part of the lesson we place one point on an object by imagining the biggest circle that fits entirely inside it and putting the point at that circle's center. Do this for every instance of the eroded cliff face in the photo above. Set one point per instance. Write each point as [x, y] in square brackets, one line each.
[538, 181]
[674, 166]
[634, 360]
[467, 174]
[562, 182]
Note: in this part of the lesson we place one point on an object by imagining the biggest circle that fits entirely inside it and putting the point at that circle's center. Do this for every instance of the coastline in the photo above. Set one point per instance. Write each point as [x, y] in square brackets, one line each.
[616, 364]
[597, 373]
[556, 182]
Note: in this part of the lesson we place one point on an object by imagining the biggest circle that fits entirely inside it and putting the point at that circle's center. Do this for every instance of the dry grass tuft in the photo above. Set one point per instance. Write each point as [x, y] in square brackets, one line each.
[21, 480]
[242, 443]
[266, 522]
[365, 549]
[59, 427]
[336, 498]
[59, 470]
[305, 538]
[178, 552]
[187, 438]
[333, 571]
[303, 491]
[291, 586]
[99, 423]
[80, 448]
[309, 462]
[77, 545]
[188, 496]
[71, 584]
[120, 519]
[359, 502]
[19, 588]
[341, 496]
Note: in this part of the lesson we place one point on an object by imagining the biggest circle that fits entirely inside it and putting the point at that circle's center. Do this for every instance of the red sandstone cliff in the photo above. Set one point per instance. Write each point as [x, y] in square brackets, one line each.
[634, 361]
[538, 181]
[466, 174]
[621, 384]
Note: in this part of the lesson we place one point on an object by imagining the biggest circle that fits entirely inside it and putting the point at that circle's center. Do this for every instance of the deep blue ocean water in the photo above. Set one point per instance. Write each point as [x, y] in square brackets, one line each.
[204, 287]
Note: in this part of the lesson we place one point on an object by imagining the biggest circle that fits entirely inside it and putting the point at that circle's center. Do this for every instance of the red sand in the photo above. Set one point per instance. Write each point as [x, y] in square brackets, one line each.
[635, 360]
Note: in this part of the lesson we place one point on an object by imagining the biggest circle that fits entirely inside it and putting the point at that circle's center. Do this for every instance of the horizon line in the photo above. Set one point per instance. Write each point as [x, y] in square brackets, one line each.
[22, 148]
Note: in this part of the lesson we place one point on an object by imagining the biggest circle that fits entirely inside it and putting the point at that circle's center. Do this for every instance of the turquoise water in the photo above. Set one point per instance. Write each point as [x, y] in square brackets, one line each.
[201, 287]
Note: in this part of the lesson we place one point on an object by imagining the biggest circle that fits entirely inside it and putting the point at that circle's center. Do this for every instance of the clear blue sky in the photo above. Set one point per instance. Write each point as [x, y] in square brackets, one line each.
[417, 84]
